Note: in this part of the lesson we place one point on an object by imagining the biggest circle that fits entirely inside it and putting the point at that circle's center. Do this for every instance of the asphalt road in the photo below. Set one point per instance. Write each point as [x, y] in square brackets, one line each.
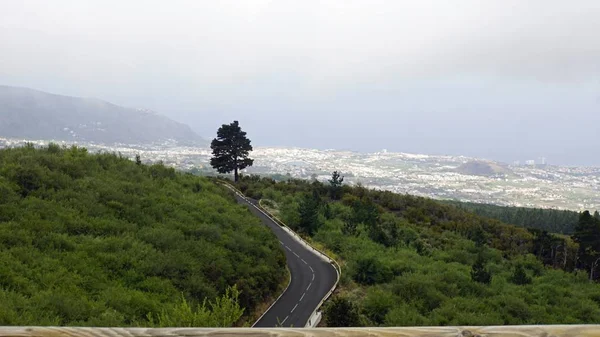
[312, 278]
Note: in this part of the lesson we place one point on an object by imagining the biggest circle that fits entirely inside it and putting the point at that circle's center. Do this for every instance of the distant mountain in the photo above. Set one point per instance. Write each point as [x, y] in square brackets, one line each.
[482, 168]
[31, 114]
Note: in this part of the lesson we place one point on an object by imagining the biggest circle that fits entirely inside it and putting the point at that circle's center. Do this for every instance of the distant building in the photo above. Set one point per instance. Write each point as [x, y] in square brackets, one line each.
[530, 162]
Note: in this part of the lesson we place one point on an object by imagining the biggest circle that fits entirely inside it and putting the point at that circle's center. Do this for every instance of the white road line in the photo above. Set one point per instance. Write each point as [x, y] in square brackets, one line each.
[296, 255]
[281, 242]
[313, 277]
[286, 317]
[294, 308]
[309, 286]
[302, 297]
[288, 248]
[311, 269]
[303, 261]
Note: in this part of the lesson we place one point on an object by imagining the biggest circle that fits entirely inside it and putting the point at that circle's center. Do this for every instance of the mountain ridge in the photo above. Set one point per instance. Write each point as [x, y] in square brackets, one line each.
[35, 114]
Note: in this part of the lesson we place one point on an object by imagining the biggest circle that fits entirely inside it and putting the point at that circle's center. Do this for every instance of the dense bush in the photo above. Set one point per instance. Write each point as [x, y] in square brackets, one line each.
[98, 240]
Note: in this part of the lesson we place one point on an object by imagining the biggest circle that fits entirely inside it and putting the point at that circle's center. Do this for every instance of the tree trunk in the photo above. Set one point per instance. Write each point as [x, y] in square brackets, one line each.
[235, 170]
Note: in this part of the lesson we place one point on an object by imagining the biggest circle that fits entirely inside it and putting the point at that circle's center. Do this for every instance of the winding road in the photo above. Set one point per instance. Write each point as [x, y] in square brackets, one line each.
[312, 277]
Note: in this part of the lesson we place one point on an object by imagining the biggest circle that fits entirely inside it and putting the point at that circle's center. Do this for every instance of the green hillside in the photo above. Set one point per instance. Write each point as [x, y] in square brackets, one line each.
[410, 261]
[551, 220]
[99, 240]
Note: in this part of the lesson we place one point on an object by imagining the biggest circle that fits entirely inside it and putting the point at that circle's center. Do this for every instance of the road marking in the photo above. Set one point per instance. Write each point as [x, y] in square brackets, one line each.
[296, 255]
[294, 308]
[302, 297]
[309, 286]
[288, 248]
[303, 261]
[286, 317]
[313, 278]
[311, 269]
[281, 242]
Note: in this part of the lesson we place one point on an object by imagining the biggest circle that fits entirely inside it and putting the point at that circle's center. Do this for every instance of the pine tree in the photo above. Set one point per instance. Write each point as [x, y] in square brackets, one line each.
[479, 273]
[335, 185]
[587, 235]
[365, 211]
[230, 150]
[309, 213]
[478, 236]
[520, 276]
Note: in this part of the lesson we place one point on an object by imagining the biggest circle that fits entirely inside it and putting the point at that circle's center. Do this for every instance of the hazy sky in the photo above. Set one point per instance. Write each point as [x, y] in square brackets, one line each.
[506, 79]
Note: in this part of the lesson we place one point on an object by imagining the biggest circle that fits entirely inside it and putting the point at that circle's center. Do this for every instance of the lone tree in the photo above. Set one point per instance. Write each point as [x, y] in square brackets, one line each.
[335, 185]
[230, 150]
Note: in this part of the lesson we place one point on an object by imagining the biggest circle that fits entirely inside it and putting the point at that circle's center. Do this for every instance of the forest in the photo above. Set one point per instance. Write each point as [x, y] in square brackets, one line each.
[412, 261]
[551, 220]
[101, 240]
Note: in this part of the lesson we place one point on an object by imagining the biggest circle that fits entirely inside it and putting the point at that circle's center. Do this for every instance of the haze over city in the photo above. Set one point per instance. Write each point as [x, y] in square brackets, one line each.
[504, 80]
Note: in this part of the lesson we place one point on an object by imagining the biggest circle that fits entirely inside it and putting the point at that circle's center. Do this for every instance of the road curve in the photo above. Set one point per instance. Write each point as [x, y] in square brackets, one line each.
[311, 278]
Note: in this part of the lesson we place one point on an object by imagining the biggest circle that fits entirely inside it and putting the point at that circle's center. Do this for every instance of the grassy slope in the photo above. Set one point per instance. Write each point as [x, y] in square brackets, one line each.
[98, 240]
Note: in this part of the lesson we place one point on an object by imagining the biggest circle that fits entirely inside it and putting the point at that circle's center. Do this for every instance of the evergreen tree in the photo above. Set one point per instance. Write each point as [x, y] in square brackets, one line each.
[479, 273]
[478, 236]
[138, 159]
[520, 276]
[587, 235]
[365, 211]
[230, 150]
[543, 245]
[327, 212]
[335, 185]
[309, 213]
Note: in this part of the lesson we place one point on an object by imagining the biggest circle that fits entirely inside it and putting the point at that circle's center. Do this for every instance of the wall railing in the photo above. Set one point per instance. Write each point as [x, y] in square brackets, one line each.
[487, 331]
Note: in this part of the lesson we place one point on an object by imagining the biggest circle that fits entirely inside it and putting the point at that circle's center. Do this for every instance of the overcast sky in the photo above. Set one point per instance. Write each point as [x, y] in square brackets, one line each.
[506, 79]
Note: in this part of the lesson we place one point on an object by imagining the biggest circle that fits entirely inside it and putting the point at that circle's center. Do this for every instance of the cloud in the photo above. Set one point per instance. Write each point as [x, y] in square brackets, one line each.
[322, 42]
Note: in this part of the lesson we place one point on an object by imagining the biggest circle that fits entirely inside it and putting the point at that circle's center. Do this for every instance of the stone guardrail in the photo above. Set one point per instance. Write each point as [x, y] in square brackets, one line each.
[449, 331]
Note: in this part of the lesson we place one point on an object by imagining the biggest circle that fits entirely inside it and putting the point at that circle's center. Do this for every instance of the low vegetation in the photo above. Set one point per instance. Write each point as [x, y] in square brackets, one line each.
[99, 240]
[411, 261]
